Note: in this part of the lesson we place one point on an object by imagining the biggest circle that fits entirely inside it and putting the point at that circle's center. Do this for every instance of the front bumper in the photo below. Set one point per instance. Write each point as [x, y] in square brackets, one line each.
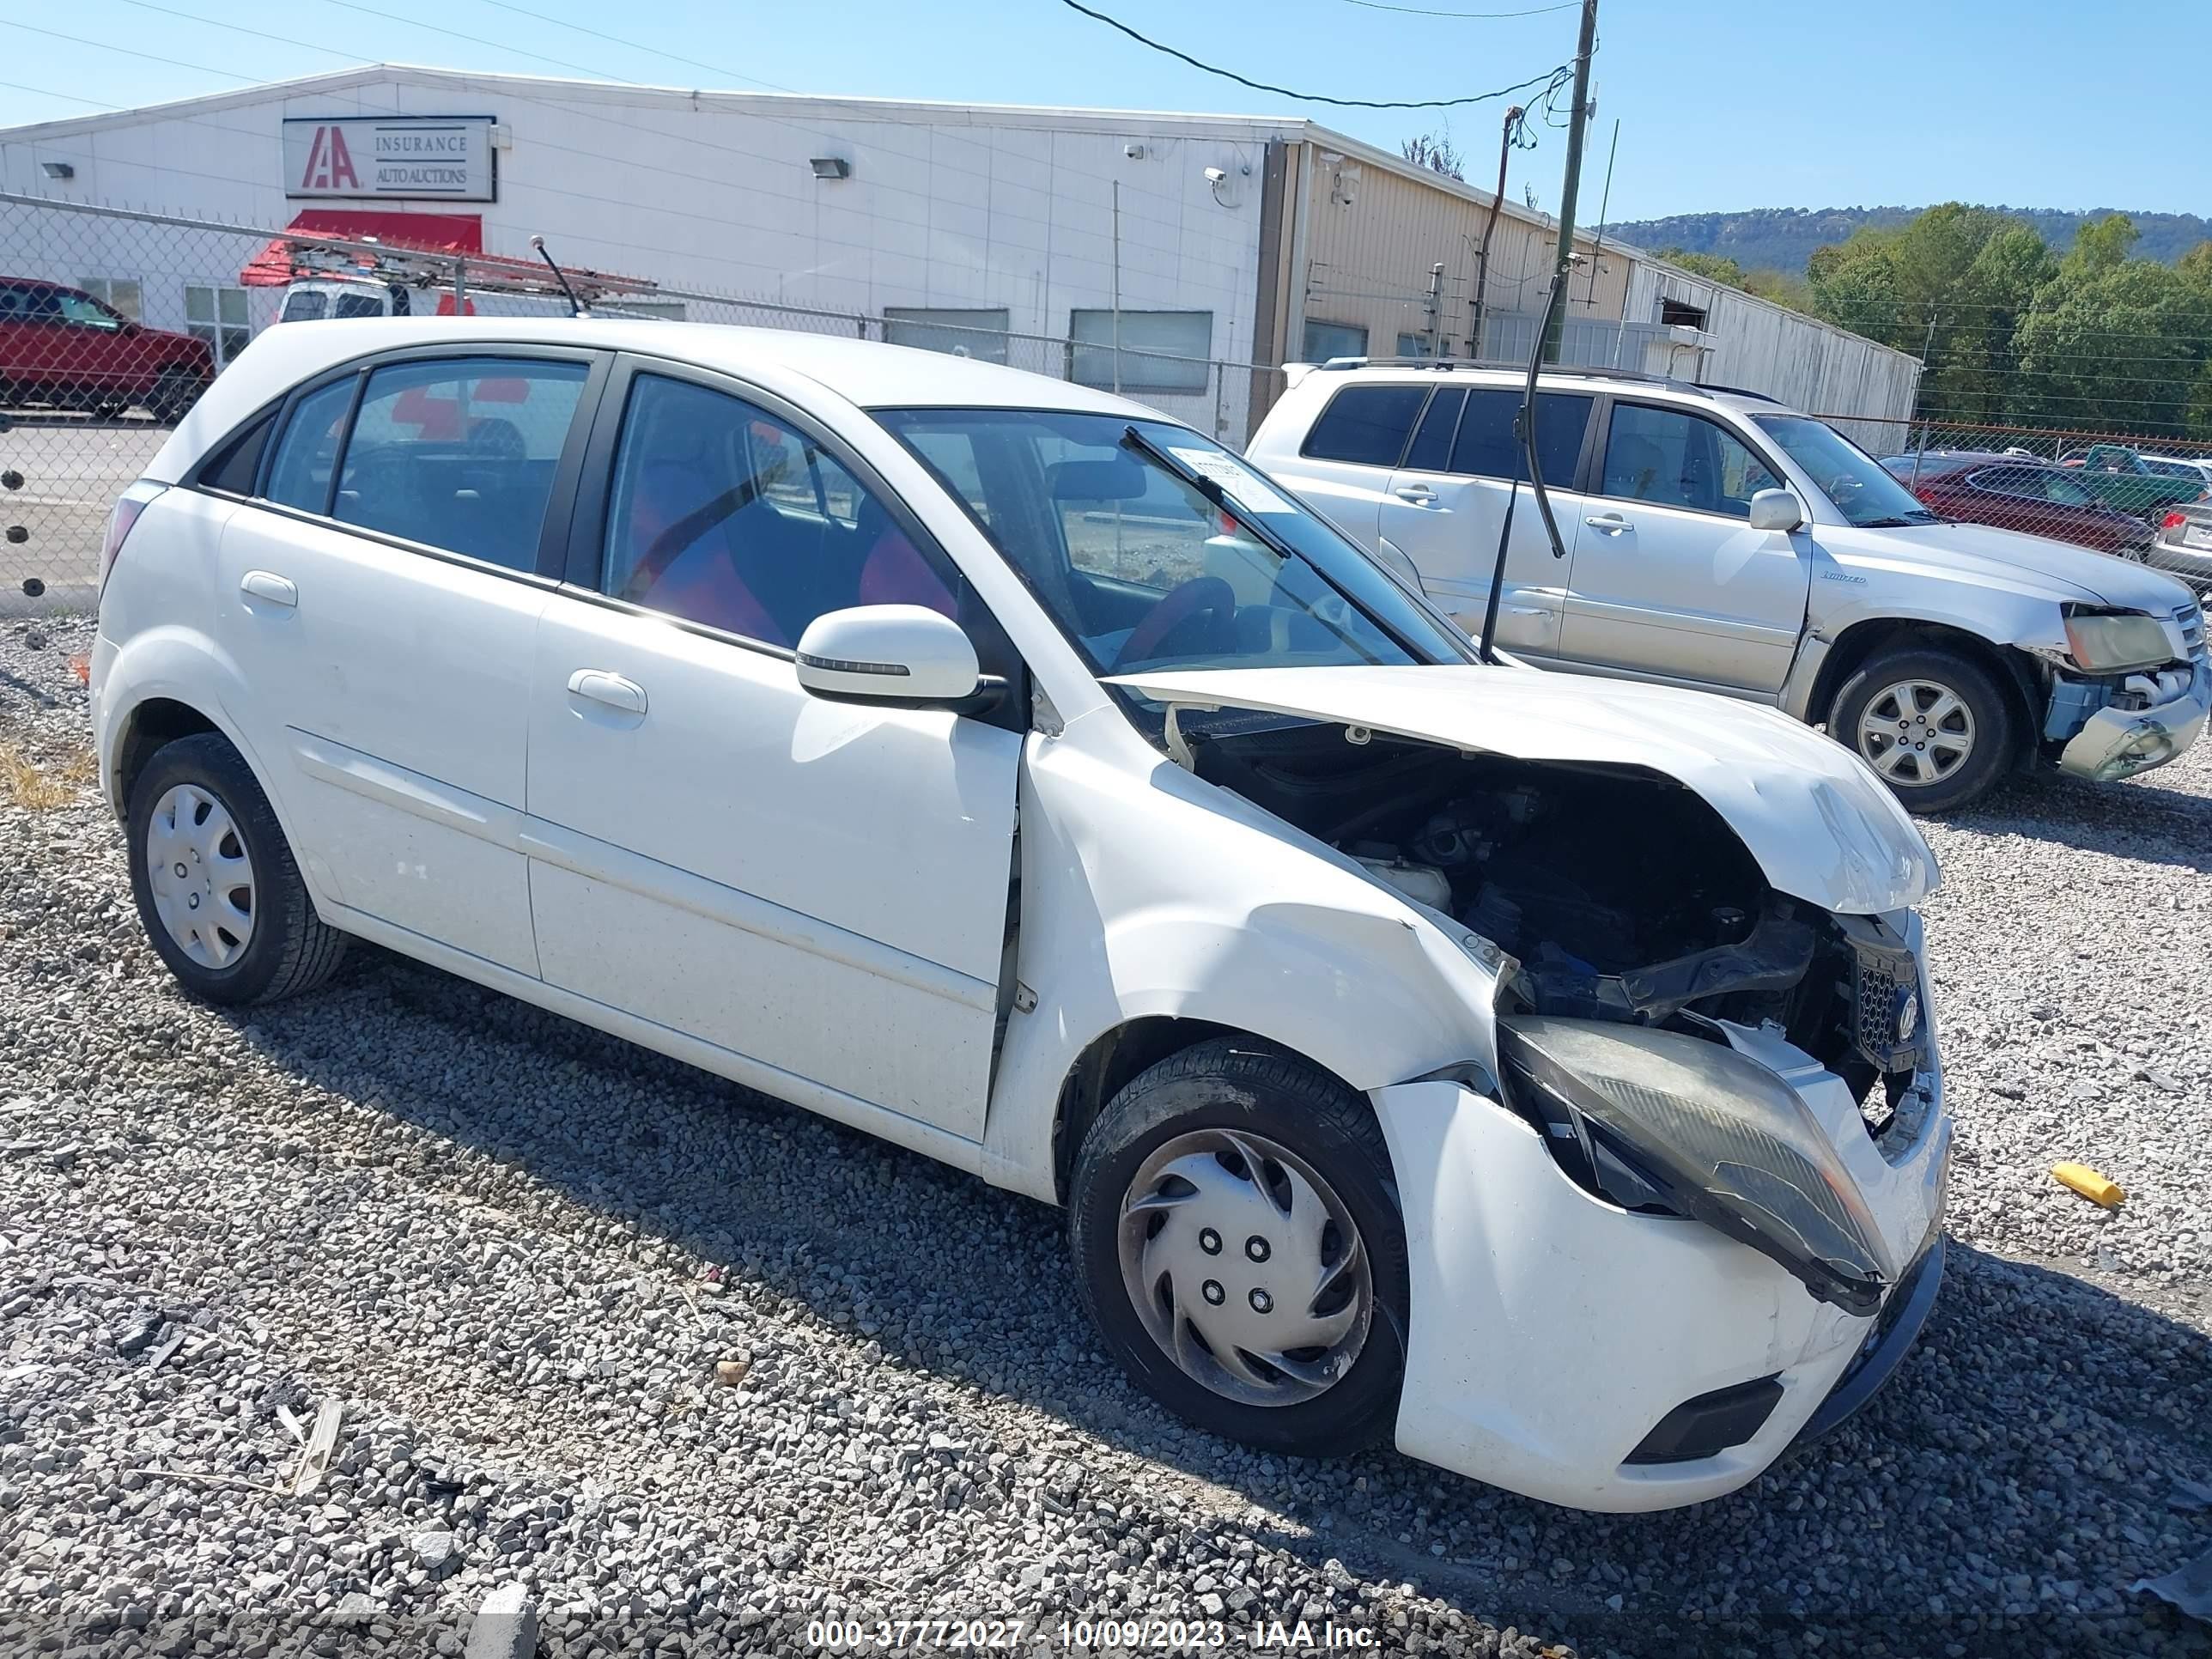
[1551, 1331]
[2118, 743]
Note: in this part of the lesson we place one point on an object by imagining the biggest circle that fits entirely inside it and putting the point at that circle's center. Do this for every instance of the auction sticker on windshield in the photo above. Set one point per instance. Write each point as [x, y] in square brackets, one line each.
[1240, 482]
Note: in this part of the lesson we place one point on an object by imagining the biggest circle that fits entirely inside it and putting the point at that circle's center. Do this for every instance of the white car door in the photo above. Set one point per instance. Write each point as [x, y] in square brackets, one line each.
[1669, 578]
[385, 610]
[815, 887]
[1446, 507]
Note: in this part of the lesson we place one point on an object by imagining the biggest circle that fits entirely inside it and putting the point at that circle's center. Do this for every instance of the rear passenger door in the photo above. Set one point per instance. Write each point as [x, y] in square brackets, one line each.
[381, 593]
[817, 889]
[1670, 580]
[1446, 507]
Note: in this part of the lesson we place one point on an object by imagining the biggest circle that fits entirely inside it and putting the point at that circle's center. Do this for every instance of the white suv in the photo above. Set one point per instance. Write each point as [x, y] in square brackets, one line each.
[1719, 540]
[1541, 1071]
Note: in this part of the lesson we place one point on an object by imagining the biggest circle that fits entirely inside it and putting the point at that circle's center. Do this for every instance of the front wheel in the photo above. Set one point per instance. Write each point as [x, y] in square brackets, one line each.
[1934, 727]
[1241, 1253]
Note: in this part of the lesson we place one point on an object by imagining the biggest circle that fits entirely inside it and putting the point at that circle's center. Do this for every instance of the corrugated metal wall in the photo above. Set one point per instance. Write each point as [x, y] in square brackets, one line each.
[1761, 347]
[1367, 259]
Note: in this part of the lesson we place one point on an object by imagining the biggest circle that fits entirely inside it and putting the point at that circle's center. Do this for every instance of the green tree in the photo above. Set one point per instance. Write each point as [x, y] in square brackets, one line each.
[2115, 347]
[2102, 245]
[1714, 267]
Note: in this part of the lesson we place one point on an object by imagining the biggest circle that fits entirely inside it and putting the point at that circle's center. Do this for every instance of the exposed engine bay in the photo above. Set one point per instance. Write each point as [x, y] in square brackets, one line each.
[1620, 894]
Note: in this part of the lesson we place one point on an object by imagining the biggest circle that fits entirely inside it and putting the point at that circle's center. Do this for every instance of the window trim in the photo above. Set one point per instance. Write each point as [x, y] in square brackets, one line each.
[1427, 388]
[1593, 469]
[559, 501]
[582, 566]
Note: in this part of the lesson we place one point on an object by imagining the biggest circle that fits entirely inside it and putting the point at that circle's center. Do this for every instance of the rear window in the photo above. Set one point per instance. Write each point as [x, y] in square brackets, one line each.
[1487, 449]
[1366, 425]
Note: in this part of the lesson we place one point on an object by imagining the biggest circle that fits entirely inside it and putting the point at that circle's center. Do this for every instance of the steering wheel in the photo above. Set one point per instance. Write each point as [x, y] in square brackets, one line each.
[1200, 594]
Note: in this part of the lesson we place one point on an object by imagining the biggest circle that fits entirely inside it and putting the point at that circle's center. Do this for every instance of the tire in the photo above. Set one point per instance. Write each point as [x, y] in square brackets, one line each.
[175, 391]
[1978, 714]
[1347, 1397]
[281, 947]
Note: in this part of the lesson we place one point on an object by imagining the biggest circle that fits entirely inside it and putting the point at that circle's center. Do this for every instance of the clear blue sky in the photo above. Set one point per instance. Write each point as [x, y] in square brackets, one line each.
[1722, 104]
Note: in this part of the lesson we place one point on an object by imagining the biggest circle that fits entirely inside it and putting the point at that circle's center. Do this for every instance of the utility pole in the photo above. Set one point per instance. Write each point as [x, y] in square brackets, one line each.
[1482, 254]
[1585, 46]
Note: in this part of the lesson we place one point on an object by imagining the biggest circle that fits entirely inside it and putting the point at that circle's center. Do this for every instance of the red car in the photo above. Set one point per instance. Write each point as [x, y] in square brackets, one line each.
[2015, 492]
[61, 347]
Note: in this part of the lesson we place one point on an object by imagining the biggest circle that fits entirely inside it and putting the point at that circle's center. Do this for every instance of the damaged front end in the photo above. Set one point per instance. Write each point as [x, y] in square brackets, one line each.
[2112, 725]
[1643, 944]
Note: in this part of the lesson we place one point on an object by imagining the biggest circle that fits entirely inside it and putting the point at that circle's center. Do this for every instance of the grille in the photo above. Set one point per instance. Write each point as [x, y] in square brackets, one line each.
[1879, 986]
[2191, 618]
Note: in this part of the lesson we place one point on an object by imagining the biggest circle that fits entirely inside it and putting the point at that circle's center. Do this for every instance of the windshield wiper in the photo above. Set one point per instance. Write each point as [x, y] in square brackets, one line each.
[1223, 502]
[1900, 520]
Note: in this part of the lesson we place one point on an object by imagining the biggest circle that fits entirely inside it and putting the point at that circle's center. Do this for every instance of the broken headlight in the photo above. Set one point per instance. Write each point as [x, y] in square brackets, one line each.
[2109, 641]
[1656, 1121]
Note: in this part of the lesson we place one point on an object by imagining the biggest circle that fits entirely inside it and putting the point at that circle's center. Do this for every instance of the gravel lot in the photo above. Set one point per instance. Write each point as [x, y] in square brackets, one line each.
[515, 1252]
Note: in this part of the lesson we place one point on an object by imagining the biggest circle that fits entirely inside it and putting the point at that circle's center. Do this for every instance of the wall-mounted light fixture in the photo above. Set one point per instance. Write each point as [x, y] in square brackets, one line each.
[830, 166]
[57, 169]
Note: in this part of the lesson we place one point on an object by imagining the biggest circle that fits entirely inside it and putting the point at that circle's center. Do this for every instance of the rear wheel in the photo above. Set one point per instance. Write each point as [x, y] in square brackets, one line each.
[175, 391]
[1240, 1251]
[216, 886]
[1933, 726]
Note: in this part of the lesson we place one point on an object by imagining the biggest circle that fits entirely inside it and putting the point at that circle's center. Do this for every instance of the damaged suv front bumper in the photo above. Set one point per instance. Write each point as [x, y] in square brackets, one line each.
[2153, 718]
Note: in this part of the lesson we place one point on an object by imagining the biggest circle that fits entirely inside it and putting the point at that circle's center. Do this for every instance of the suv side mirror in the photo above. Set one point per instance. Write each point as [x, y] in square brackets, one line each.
[1776, 509]
[888, 653]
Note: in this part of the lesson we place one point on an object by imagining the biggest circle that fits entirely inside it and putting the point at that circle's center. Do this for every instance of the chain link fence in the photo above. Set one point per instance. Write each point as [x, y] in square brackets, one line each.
[113, 321]
[2115, 492]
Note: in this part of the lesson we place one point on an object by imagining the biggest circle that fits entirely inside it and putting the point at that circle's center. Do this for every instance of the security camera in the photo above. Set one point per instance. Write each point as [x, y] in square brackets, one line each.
[1217, 175]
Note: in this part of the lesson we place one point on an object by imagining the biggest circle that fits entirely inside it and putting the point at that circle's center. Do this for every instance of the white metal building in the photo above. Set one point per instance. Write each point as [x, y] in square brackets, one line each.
[1209, 241]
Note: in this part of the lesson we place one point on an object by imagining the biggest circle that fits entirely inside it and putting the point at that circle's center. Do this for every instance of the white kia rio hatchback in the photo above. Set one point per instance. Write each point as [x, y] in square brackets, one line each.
[1539, 1071]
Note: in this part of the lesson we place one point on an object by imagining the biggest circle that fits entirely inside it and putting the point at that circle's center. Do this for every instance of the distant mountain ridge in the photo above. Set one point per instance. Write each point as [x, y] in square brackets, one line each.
[1782, 239]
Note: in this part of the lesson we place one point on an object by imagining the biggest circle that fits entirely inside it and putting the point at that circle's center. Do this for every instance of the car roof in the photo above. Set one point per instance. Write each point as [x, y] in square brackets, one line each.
[862, 372]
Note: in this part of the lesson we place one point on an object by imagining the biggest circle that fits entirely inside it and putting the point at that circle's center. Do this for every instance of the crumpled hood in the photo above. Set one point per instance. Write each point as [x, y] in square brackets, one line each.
[2012, 560]
[1819, 824]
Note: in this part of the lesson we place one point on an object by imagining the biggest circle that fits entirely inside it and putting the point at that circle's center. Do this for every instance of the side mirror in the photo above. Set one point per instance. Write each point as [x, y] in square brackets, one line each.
[888, 653]
[1776, 509]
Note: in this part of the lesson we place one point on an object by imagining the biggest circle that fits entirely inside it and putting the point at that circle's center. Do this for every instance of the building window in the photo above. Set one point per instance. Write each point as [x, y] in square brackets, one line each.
[1326, 340]
[977, 333]
[216, 316]
[1161, 351]
[116, 293]
[1417, 345]
[1673, 313]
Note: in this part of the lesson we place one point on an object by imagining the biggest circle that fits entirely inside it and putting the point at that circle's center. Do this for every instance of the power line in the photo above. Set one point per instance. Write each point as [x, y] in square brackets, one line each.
[1485, 16]
[151, 57]
[635, 46]
[1311, 97]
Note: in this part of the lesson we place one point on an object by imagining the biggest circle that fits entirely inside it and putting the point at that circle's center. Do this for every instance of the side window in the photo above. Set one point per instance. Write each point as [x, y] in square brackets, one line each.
[721, 513]
[306, 455]
[1366, 425]
[1674, 459]
[1488, 448]
[1433, 439]
[460, 454]
[233, 470]
[82, 313]
[360, 304]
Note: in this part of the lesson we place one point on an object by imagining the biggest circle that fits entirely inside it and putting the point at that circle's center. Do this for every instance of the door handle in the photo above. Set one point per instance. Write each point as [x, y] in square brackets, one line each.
[597, 685]
[266, 585]
[1612, 522]
[1526, 610]
[1420, 495]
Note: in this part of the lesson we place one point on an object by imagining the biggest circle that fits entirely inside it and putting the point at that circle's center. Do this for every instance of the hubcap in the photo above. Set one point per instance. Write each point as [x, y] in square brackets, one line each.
[1277, 1320]
[201, 879]
[1917, 733]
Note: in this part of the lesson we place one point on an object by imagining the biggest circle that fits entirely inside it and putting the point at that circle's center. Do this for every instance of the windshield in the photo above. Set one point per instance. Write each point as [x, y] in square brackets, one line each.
[1852, 480]
[1163, 549]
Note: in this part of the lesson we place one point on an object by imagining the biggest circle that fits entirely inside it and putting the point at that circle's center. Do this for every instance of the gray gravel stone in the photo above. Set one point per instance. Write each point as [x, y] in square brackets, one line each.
[517, 1253]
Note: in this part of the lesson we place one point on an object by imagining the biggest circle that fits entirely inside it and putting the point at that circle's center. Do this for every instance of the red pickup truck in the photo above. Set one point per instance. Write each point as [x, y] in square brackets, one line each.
[61, 347]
